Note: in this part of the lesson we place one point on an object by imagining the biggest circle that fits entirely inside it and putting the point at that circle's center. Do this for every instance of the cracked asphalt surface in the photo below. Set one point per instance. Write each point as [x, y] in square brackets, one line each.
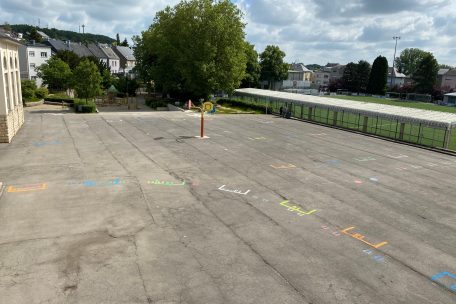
[130, 208]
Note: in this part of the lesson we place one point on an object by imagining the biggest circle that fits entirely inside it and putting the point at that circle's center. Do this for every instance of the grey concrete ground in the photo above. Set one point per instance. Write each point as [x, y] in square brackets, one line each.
[131, 208]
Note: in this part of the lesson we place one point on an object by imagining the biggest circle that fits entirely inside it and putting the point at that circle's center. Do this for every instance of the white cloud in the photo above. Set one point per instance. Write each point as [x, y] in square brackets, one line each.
[310, 31]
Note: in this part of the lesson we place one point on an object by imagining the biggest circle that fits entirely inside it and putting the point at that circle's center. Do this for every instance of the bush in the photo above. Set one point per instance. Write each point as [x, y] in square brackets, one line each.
[245, 106]
[59, 98]
[28, 89]
[41, 92]
[155, 103]
[82, 106]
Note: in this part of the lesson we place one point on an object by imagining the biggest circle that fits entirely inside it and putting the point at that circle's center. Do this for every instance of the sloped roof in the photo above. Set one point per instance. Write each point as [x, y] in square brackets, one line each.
[96, 51]
[300, 67]
[124, 51]
[108, 51]
[402, 114]
[442, 71]
[80, 49]
[57, 45]
[6, 37]
[396, 73]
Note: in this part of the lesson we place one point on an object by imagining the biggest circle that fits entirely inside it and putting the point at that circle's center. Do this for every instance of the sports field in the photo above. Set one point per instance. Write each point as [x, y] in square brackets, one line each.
[133, 208]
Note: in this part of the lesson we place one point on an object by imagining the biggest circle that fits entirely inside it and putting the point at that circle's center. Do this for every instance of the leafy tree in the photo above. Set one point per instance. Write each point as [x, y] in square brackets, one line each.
[125, 84]
[407, 63]
[445, 66]
[124, 43]
[7, 27]
[253, 69]
[350, 77]
[364, 70]
[117, 39]
[35, 36]
[273, 68]
[28, 88]
[194, 48]
[378, 76]
[335, 84]
[104, 70]
[56, 74]
[69, 57]
[425, 75]
[87, 79]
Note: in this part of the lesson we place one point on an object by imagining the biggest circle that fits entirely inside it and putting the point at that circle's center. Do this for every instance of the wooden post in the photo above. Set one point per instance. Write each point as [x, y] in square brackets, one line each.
[335, 118]
[401, 131]
[309, 116]
[366, 119]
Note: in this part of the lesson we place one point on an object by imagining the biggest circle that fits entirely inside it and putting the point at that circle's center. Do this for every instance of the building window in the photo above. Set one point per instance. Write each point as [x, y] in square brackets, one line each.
[4, 63]
[32, 65]
[31, 54]
[44, 55]
[33, 77]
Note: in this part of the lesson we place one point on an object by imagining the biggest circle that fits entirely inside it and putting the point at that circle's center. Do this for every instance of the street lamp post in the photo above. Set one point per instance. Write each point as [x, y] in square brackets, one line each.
[394, 59]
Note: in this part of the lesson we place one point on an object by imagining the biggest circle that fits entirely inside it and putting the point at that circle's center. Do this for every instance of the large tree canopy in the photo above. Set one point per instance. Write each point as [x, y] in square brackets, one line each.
[408, 61]
[253, 69]
[194, 48]
[425, 75]
[87, 79]
[378, 76]
[273, 68]
[56, 74]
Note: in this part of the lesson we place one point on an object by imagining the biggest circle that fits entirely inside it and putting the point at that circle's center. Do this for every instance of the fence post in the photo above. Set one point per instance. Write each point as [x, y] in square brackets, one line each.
[447, 138]
[302, 109]
[401, 131]
[335, 118]
[309, 116]
[365, 124]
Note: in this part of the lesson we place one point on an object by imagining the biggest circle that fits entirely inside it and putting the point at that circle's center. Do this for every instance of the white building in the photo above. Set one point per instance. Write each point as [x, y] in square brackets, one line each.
[113, 59]
[32, 56]
[11, 110]
[398, 79]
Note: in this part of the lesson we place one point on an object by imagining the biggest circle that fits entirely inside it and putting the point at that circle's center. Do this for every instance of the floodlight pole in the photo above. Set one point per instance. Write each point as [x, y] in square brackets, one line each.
[394, 59]
[202, 123]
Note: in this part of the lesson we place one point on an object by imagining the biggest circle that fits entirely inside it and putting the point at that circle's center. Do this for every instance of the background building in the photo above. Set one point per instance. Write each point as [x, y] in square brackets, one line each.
[31, 56]
[126, 57]
[11, 110]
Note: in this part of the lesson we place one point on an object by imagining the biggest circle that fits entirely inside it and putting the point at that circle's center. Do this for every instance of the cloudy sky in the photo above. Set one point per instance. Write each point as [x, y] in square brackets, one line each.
[309, 31]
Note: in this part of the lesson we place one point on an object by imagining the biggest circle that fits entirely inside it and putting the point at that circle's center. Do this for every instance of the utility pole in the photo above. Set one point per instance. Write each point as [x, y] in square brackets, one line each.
[394, 59]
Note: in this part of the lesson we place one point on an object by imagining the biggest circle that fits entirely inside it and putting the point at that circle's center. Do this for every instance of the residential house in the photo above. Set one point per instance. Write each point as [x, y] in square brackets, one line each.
[127, 58]
[335, 70]
[321, 78]
[449, 99]
[447, 79]
[299, 77]
[395, 78]
[97, 52]
[11, 110]
[113, 59]
[31, 56]
[76, 47]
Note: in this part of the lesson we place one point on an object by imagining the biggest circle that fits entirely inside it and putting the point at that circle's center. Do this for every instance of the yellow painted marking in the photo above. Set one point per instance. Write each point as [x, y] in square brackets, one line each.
[286, 166]
[33, 187]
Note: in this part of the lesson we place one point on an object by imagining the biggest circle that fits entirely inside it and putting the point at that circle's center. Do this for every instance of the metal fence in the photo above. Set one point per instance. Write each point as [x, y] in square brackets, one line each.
[416, 133]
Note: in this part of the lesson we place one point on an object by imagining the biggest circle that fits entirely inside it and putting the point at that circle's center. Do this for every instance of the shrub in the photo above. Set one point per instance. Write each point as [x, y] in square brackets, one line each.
[41, 92]
[59, 98]
[83, 106]
[245, 106]
[28, 89]
[155, 103]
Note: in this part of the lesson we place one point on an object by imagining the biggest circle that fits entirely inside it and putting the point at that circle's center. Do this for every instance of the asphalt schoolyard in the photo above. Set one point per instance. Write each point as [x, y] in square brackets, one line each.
[133, 208]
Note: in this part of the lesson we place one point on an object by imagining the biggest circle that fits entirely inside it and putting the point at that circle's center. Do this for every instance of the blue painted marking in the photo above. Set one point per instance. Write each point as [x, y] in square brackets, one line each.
[442, 274]
[89, 183]
[115, 181]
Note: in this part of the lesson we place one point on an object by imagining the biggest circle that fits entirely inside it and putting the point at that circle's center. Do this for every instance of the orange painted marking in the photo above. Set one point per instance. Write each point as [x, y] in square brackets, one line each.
[26, 188]
[361, 237]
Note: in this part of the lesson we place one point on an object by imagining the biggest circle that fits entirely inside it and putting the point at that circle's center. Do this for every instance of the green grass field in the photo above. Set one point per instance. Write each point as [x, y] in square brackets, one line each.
[413, 133]
[393, 102]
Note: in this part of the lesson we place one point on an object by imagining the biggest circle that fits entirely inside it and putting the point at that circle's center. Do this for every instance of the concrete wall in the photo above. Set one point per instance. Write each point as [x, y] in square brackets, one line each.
[11, 110]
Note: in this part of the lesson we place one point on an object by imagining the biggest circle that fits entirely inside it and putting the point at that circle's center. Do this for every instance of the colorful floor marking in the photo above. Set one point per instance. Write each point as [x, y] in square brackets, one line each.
[257, 138]
[358, 182]
[283, 166]
[438, 276]
[398, 156]
[361, 237]
[165, 183]
[26, 188]
[364, 158]
[378, 257]
[46, 143]
[318, 134]
[331, 231]
[373, 179]
[296, 209]
[222, 188]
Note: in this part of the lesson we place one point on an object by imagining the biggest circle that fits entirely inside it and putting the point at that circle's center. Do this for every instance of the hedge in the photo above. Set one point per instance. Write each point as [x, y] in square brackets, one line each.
[155, 103]
[244, 105]
[82, 106]
[59, 99]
